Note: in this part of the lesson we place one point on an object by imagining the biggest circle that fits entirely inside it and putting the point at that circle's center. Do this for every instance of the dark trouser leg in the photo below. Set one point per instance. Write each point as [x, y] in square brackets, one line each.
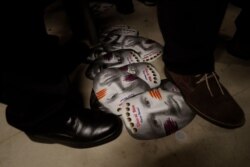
[34, 90]
[81, 21]
[190, 30]
[24, 22]
[33, 100]
[239, 46]
[242, 24]
[124, 6]
[26, 33]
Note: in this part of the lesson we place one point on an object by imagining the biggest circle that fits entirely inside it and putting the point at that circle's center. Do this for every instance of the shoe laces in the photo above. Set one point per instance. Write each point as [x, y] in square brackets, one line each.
[205, 77]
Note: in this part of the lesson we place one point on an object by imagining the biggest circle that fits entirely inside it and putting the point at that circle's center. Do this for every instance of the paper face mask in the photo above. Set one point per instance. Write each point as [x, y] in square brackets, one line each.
[155, 113]
[96, 53]
[117, 32]
[145, 71]
[113, 59]
[98, 8]
[148, 49]
[112, 87]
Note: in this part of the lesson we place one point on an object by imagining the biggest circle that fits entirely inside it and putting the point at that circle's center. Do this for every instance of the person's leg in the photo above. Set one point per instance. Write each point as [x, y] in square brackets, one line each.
[29, 97]
[239, 45]
[149, 2]
[124, 6]
[51, 111]
[190, 30]
[40, 99]
[80, 20]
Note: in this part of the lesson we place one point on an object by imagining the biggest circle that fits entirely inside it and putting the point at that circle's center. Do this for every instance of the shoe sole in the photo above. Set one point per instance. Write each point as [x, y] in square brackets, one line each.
[79, 145]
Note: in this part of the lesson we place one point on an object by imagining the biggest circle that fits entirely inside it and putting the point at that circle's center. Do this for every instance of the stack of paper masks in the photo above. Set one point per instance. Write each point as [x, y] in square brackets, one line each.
[127, 85]
[119, 46]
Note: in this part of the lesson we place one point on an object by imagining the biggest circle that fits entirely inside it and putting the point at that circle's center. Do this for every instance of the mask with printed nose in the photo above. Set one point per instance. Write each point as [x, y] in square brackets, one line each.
[156, 113]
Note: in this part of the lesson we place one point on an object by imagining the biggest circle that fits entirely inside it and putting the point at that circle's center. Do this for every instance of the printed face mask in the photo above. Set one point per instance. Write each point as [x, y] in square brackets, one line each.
[96, 53]
[145, 71]
[156, 113]
[112, 87]
[113, 59]
[98, 8]
[148, 49]
[117, 33]
[109, 35]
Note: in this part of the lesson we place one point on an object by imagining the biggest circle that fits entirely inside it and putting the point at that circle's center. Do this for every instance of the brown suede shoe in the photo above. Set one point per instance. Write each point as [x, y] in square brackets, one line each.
[209, 99]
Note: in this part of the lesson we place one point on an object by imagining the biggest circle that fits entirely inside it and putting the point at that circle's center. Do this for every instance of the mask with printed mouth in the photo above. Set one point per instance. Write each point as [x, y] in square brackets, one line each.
[156, 113]
[113, 86]
[117, 59]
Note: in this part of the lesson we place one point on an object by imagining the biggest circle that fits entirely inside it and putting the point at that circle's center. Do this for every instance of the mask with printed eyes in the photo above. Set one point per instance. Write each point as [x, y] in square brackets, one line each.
[156, 113]
[117, 33]
[145, 71]
[147, 49]
[111, 35]
[112, 59]
[96, 53]
[113, 86]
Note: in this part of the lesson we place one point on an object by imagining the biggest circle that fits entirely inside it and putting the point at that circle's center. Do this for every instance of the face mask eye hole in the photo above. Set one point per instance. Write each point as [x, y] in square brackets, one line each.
[98, 69]
[106, 39]
[156, 123]
[119, 59]
[134, 130]
[104, 66]
[146, 102]
[114, 96]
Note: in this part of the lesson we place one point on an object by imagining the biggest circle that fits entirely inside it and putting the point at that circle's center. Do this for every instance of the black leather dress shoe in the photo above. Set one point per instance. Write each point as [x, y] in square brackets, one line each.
[86, 129]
